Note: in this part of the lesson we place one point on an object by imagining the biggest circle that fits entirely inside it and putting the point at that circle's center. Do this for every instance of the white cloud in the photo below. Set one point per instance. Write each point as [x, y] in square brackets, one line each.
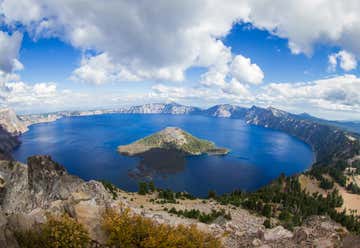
[229, 69]
[346, 60]
[99, 69]
[231, 92]
[341, 93]
[234, 87]
[306, 23]
[330, 95]
[151, 39]
[162, 39]
[9, 52]
[244, 71]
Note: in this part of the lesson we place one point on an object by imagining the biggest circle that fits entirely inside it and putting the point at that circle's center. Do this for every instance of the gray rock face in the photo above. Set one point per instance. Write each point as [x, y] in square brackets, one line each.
[11, 122]
[48, 181]
[27, 192]
[225, 111]
[277, 233]
[160, 108]
[7, 143]
[328, 142]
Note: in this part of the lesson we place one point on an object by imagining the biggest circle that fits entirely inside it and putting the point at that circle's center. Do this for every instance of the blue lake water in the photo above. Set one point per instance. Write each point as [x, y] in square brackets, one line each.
[86, 146]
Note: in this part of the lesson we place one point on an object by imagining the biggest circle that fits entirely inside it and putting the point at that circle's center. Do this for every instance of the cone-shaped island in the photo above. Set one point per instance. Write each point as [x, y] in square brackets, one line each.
[172, 138]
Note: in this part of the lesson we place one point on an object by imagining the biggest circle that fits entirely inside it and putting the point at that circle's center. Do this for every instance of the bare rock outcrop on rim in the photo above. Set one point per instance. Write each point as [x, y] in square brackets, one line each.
[29, 191]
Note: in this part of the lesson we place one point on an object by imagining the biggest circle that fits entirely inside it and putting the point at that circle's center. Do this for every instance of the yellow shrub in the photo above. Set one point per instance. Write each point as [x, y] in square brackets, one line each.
[126, 230]
[57, 232]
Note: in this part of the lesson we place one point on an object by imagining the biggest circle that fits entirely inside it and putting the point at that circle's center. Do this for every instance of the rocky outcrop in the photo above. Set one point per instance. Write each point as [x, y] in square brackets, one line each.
[7, 143]
[160, 108]
[225, 111]
[10, 122]
[328, 142]
[28, 193]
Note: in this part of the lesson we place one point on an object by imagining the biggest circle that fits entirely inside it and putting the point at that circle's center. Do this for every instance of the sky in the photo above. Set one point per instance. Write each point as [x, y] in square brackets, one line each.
[299, 56]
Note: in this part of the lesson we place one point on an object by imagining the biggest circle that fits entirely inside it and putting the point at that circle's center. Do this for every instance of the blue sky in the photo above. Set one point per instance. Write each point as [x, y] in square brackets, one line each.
[51, 59]
[56, 56]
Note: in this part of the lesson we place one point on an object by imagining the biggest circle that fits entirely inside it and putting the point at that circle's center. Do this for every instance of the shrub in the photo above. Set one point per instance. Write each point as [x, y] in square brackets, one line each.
[267, 210]
[111, 188]
[201, 216]
[326, 184]
[353, 188]
[57, 232]
[127, 230]
[267, 223]
[212, 194]
[143, 188]
[152, 186]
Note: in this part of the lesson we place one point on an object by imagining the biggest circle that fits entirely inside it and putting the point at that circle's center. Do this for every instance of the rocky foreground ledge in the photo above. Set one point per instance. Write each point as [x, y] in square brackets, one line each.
[29, 192]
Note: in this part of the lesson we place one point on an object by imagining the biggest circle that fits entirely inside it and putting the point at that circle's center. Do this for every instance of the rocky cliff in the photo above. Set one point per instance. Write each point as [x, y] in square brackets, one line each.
[225, 111]
[11, 122]
[7, 143]
[160, 108]
[30, 192]
[328, 142]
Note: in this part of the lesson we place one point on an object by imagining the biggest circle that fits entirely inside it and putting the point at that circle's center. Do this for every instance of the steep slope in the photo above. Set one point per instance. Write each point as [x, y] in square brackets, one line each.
[328, 142]
[7, 143]
[160, 108]
[11, 122]
[225, 111]
[172, 138]
[30, 192]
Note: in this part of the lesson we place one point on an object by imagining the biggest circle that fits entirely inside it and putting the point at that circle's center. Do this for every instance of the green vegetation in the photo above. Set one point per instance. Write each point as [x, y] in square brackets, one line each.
[57, 232]
[111, 188]
[211, 194]
[192, 146]
[326, 183]
[353, 188]
[201, 216]
[127, 230]
[163, 195]
[143, 188]
[284, 199]
[336, 172]
[172, 139]
[169, 196]
[267, 223]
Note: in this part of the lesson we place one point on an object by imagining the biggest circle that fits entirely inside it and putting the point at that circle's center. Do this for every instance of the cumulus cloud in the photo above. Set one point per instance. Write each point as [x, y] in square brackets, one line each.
[347, 61]
[244, 71]
[229, 68]
[100, 69]
[161, 39]
[306, 23]
[9, 52]
[340, 93]
[158, 40]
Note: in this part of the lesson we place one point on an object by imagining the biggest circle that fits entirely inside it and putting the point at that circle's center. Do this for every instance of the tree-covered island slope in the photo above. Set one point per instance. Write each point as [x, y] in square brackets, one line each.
[173, 138]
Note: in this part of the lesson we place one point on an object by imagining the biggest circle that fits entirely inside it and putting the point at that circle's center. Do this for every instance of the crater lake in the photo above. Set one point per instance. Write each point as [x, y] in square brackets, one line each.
[87, 147]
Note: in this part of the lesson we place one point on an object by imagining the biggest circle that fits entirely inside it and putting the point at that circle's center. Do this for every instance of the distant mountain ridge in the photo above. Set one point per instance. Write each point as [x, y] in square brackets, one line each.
[329, 143]
[329, 139]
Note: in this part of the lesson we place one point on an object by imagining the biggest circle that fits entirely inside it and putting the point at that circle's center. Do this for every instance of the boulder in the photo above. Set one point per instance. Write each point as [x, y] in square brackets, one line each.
[277, 233]
[301, 234]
